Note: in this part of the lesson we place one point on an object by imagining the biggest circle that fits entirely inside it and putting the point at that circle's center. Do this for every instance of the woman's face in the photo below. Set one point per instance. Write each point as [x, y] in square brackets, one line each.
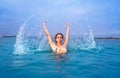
[59, 39]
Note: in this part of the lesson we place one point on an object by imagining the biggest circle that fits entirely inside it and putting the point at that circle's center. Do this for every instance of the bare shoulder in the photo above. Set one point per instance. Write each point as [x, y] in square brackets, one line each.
[53, 46]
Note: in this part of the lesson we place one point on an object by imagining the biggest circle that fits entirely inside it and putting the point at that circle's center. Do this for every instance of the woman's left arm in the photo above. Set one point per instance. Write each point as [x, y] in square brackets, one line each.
[67, 35]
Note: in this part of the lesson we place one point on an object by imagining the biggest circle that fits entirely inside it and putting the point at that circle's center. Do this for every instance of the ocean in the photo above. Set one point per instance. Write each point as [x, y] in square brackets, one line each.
[103, 61]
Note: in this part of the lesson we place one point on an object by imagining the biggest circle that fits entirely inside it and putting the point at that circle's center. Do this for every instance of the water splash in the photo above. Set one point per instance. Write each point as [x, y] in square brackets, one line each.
[43, 44]
[84, 42]
[21, 46]
[26, 44]
[90, 42]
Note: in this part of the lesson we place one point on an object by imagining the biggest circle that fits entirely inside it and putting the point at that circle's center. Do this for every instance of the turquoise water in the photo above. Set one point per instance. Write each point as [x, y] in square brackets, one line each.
[100, 62]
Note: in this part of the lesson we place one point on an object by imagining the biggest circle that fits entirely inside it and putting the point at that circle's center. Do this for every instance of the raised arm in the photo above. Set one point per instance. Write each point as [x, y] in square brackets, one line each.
[48, 36]
[67, 35]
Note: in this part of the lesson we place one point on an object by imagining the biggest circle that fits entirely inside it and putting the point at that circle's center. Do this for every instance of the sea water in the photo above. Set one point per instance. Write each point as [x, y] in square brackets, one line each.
[29, 55]
[102, 61]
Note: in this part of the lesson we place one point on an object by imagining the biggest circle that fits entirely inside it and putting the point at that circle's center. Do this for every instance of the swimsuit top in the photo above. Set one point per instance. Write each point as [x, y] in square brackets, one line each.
[60, 50]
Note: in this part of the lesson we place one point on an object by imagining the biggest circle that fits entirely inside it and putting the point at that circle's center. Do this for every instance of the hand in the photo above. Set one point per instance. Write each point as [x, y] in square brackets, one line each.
[44, 23]
[68, 24]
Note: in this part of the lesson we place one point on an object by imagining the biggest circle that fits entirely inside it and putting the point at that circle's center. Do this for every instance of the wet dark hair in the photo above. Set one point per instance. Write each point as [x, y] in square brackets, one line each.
[58, 34]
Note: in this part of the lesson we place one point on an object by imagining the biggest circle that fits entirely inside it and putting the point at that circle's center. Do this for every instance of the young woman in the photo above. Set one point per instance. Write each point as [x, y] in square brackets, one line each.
[59, 46]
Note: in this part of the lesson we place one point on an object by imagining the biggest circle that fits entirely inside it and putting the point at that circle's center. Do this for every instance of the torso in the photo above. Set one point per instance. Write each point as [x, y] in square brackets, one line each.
[60, 49]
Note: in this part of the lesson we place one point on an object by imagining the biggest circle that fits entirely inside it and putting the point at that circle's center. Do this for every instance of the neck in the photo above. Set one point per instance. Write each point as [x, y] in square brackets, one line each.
[59, 44]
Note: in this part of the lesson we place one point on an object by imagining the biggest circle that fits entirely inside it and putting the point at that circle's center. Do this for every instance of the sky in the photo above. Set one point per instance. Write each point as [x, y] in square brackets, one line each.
[101, 16]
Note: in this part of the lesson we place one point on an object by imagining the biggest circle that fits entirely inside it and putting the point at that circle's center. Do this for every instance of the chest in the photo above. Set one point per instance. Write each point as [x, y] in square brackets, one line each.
[61, 49]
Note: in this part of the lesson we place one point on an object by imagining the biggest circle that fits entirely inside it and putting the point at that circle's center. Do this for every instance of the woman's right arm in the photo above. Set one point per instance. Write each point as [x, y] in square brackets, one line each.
[48, 36]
